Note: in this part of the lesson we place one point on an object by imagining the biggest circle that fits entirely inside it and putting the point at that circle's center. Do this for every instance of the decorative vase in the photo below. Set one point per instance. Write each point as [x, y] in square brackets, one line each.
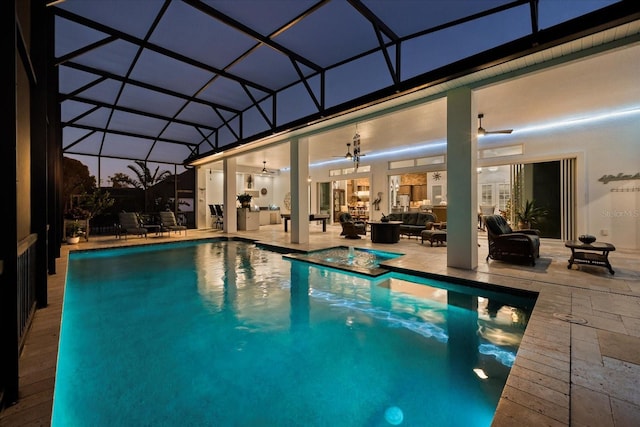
[245, 204]
[587, 239]
[73, 240]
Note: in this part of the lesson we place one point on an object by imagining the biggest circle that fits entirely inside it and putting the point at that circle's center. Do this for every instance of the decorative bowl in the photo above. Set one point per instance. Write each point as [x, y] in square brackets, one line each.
[587, 238]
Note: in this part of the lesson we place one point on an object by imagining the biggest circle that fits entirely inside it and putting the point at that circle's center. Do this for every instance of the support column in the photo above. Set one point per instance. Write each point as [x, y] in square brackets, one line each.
[229, 169]
[299, 154]
[41, 48]
[10, 353]
[462, 180]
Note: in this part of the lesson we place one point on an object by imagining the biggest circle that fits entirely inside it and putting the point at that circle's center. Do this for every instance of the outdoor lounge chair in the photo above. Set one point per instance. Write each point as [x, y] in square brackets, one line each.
[351, 228]
[505, 244]
[130, 224]
[216, 214]
[220, 215]
[169, 223]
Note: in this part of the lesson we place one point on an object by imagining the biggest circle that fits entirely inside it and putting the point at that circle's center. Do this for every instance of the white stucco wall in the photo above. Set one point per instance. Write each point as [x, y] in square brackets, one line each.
[610, 211]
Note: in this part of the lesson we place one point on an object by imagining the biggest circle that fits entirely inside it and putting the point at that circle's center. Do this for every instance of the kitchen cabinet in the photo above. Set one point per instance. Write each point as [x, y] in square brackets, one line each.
[418, 192]
[404, 190]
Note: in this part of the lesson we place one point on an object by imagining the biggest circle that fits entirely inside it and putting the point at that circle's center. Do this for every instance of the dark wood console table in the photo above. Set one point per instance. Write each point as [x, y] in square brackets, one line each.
[312, 217]
[595, 253]
[385, 232]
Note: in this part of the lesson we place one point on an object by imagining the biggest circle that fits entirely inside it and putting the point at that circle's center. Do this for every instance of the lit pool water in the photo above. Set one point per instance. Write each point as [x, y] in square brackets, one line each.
[349, 258]
[227, 334]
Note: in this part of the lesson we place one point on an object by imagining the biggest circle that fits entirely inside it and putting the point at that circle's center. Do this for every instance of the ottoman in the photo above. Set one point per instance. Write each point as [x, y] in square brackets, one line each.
[437, 236]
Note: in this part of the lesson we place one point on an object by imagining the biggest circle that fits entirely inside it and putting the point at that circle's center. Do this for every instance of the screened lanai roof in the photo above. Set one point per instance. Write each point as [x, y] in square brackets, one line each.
[167, 81]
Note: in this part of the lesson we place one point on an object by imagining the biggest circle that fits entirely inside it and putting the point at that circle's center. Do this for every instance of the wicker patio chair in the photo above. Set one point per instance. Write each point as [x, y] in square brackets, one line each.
[505, 244]
[352, 228]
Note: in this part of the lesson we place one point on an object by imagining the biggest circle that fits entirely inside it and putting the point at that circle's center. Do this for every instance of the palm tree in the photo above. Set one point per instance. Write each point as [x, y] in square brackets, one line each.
[146, 179]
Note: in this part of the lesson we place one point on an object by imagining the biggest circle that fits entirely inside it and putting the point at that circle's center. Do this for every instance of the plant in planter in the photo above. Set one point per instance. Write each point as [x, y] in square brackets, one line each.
[77, 213]
[530, 215]
[245, 199]
[97, 202]
[73, 232]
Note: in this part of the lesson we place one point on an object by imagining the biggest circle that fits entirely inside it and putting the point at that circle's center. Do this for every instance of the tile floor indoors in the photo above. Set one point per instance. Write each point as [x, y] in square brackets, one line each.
[578, 363]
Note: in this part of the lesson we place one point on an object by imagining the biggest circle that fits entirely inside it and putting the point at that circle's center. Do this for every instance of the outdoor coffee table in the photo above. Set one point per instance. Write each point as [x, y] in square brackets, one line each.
[596, 253]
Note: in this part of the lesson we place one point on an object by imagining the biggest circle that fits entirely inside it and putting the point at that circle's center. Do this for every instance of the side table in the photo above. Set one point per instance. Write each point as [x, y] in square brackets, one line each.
[596, 253]
[385, 232]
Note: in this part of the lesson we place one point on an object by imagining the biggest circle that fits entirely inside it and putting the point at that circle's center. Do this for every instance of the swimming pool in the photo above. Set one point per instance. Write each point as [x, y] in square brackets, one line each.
[224, 333]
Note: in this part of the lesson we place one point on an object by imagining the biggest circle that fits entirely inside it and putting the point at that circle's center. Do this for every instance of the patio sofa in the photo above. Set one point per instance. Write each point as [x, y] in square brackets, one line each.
[414, 222]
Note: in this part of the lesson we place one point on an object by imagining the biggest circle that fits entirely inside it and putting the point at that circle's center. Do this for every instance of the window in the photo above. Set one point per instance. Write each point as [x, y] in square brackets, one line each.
[486, 197]
[347, 171]
[510, 150]
[504, 194]
[402, 164]
[433, 160]
[421, 161]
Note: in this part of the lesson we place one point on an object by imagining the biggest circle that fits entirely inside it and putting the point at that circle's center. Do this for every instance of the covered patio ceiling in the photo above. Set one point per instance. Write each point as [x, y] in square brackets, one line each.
[176, 80]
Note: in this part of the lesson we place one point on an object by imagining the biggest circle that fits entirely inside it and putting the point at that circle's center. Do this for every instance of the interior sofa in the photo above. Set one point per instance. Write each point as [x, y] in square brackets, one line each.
[413, 222]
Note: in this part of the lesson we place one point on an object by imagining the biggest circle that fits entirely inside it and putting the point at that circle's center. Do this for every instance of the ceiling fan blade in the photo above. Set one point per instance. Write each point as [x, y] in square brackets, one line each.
[264, 168]
[503, 131]
[348, 156]
[483, 131]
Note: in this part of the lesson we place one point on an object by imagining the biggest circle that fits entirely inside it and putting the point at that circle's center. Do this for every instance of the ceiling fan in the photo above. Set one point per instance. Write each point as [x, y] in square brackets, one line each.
[264, 168]
[482, 131]
[356, 149]
[347, 156]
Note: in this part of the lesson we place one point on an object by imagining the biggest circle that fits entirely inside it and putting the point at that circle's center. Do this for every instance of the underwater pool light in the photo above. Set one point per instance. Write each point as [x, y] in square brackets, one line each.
[394, 415]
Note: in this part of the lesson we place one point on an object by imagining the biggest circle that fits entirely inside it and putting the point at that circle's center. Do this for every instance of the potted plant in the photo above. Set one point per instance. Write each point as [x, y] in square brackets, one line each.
[245, 199]
[73, 232]
[530, 215]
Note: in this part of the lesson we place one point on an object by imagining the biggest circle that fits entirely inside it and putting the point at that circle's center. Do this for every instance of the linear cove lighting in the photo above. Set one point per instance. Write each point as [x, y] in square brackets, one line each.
[580, 121]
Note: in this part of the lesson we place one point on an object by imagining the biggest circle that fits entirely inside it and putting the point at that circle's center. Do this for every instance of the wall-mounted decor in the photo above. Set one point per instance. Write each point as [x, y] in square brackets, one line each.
[605, 179]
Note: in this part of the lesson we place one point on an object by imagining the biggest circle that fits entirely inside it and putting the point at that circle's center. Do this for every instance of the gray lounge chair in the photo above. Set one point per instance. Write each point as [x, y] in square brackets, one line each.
[169, 223]
[130, 224]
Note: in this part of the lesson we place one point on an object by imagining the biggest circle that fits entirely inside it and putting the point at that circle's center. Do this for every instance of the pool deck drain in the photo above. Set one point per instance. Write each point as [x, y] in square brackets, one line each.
[570, 318]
